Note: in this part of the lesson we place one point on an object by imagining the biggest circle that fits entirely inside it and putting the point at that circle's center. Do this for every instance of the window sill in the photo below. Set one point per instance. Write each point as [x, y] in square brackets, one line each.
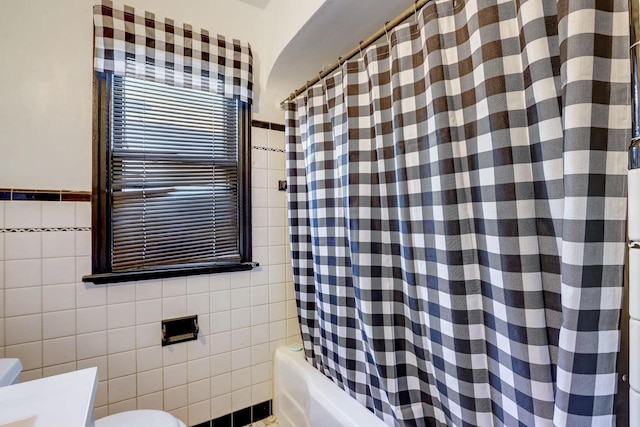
[131, 276]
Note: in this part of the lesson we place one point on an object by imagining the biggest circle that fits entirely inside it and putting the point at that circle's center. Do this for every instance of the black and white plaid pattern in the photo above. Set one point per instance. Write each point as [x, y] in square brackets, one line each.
[457, 211]
[169, 53]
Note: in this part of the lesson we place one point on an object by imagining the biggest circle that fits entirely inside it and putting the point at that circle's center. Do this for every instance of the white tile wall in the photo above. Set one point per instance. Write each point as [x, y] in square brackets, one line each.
[55, 323]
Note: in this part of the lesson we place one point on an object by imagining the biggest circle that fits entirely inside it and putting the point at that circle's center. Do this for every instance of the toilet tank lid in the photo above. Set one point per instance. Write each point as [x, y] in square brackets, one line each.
[9, 371]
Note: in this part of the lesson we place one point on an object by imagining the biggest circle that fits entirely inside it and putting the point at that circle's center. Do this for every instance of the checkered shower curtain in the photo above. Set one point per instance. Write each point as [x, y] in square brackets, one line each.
[457, 213]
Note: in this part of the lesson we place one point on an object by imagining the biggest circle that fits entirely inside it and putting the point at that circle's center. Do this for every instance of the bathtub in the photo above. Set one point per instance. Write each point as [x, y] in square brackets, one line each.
[303, 397]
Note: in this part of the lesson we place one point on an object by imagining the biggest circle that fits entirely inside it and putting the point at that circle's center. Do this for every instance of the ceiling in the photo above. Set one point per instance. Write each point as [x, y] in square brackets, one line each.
[262, 4]
[335, 29]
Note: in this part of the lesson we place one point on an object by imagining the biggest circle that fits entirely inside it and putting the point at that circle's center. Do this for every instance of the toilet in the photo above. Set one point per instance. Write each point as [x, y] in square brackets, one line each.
[10, 370]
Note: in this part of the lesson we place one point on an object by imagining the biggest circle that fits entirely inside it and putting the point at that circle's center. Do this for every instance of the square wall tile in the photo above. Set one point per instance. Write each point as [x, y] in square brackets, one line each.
[148, 289]
[59, 324]
[259, 159]
[123, 406]
[118, 293]
[148, 335]
[241, 358]
[259, 295]
[220, 322]
[198, 284]
[220, 363]
[2, 203]
[123, 339]
[58, 214]
[199, 412]
[219, 282]
[240, 318]
[57, 244]
[23, 301]
[259, 137]
[149, 311]
[240, 378]
[173, 307]
[23, 273]
[220, 385]
[198, 369]
[122, 364]
[174, 354]
[198, 349]
[30, 354]
[89, 295]
[150, 401]
[260, 373]
[276, 139]
[58, 270]
[176, 286]
[83, 214]
[259, 314]
[83, 267]
[261, 392]
[220, 405]
[276, 161]
[97, 362]
[92, 319]
[23, 214]
[122, 388]
[59, 369]
[259, 178]
[240, 338]
[22, 246]
[150, 381]
[220, 301]
[149, 358]
[198, 303]
[241, 298]
[121, 315]
[23, 329]
[220, 343]
[175, 398]
[58, 297]
[83, 243]
[58, 351]
[199, 391]
[175, 375]
[241, 399]
[92, 345]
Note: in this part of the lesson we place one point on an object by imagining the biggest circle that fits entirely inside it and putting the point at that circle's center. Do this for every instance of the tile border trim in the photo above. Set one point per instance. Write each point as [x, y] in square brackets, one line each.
[277, 150]
[14, 194]
[267, 125]
[43, 230]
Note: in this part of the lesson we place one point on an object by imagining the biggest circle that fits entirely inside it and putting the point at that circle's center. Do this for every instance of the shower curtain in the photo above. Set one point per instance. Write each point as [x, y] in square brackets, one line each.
[457, 215]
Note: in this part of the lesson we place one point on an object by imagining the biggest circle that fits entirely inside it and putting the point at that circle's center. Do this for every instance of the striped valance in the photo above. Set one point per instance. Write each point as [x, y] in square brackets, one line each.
[174, 54]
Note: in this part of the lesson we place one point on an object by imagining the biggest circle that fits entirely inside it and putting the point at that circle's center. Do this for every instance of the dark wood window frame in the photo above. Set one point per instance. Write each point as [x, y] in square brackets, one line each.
[102, 272]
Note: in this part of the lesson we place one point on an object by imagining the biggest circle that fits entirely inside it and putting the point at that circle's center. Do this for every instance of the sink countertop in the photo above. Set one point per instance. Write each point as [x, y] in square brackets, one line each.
[64, 400]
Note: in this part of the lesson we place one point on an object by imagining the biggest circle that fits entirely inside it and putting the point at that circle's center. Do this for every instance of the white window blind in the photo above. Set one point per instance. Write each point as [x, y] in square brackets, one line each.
[174, 176]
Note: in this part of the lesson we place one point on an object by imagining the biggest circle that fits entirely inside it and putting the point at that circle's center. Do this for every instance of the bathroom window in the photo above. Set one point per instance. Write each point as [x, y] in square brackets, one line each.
[171, 179]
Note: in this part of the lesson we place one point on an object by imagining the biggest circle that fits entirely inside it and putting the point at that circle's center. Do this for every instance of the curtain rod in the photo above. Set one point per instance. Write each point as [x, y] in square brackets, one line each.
[362, 45]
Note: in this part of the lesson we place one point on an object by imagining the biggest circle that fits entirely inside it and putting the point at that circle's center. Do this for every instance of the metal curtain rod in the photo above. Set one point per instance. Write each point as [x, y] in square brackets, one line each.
[362, 45]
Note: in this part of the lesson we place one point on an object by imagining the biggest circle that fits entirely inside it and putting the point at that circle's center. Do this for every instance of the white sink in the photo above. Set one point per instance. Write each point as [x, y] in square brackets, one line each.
[59, 401]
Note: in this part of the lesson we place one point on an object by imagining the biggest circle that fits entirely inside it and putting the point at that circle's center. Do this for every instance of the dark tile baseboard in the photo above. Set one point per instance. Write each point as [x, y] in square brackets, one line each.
[44, 195]
[241, 417]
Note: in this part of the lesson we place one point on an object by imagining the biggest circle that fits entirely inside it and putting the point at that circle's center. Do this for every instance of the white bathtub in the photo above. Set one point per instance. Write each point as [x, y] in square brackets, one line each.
[303, 397]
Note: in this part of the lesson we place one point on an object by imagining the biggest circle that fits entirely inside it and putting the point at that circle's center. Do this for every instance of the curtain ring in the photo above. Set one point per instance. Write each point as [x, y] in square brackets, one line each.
[323, 81]
[415, 10]
[360, 49]
[386, 32]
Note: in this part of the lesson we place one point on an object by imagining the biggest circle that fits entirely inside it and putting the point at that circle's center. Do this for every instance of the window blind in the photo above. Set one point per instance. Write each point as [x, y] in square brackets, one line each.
[174, 176]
